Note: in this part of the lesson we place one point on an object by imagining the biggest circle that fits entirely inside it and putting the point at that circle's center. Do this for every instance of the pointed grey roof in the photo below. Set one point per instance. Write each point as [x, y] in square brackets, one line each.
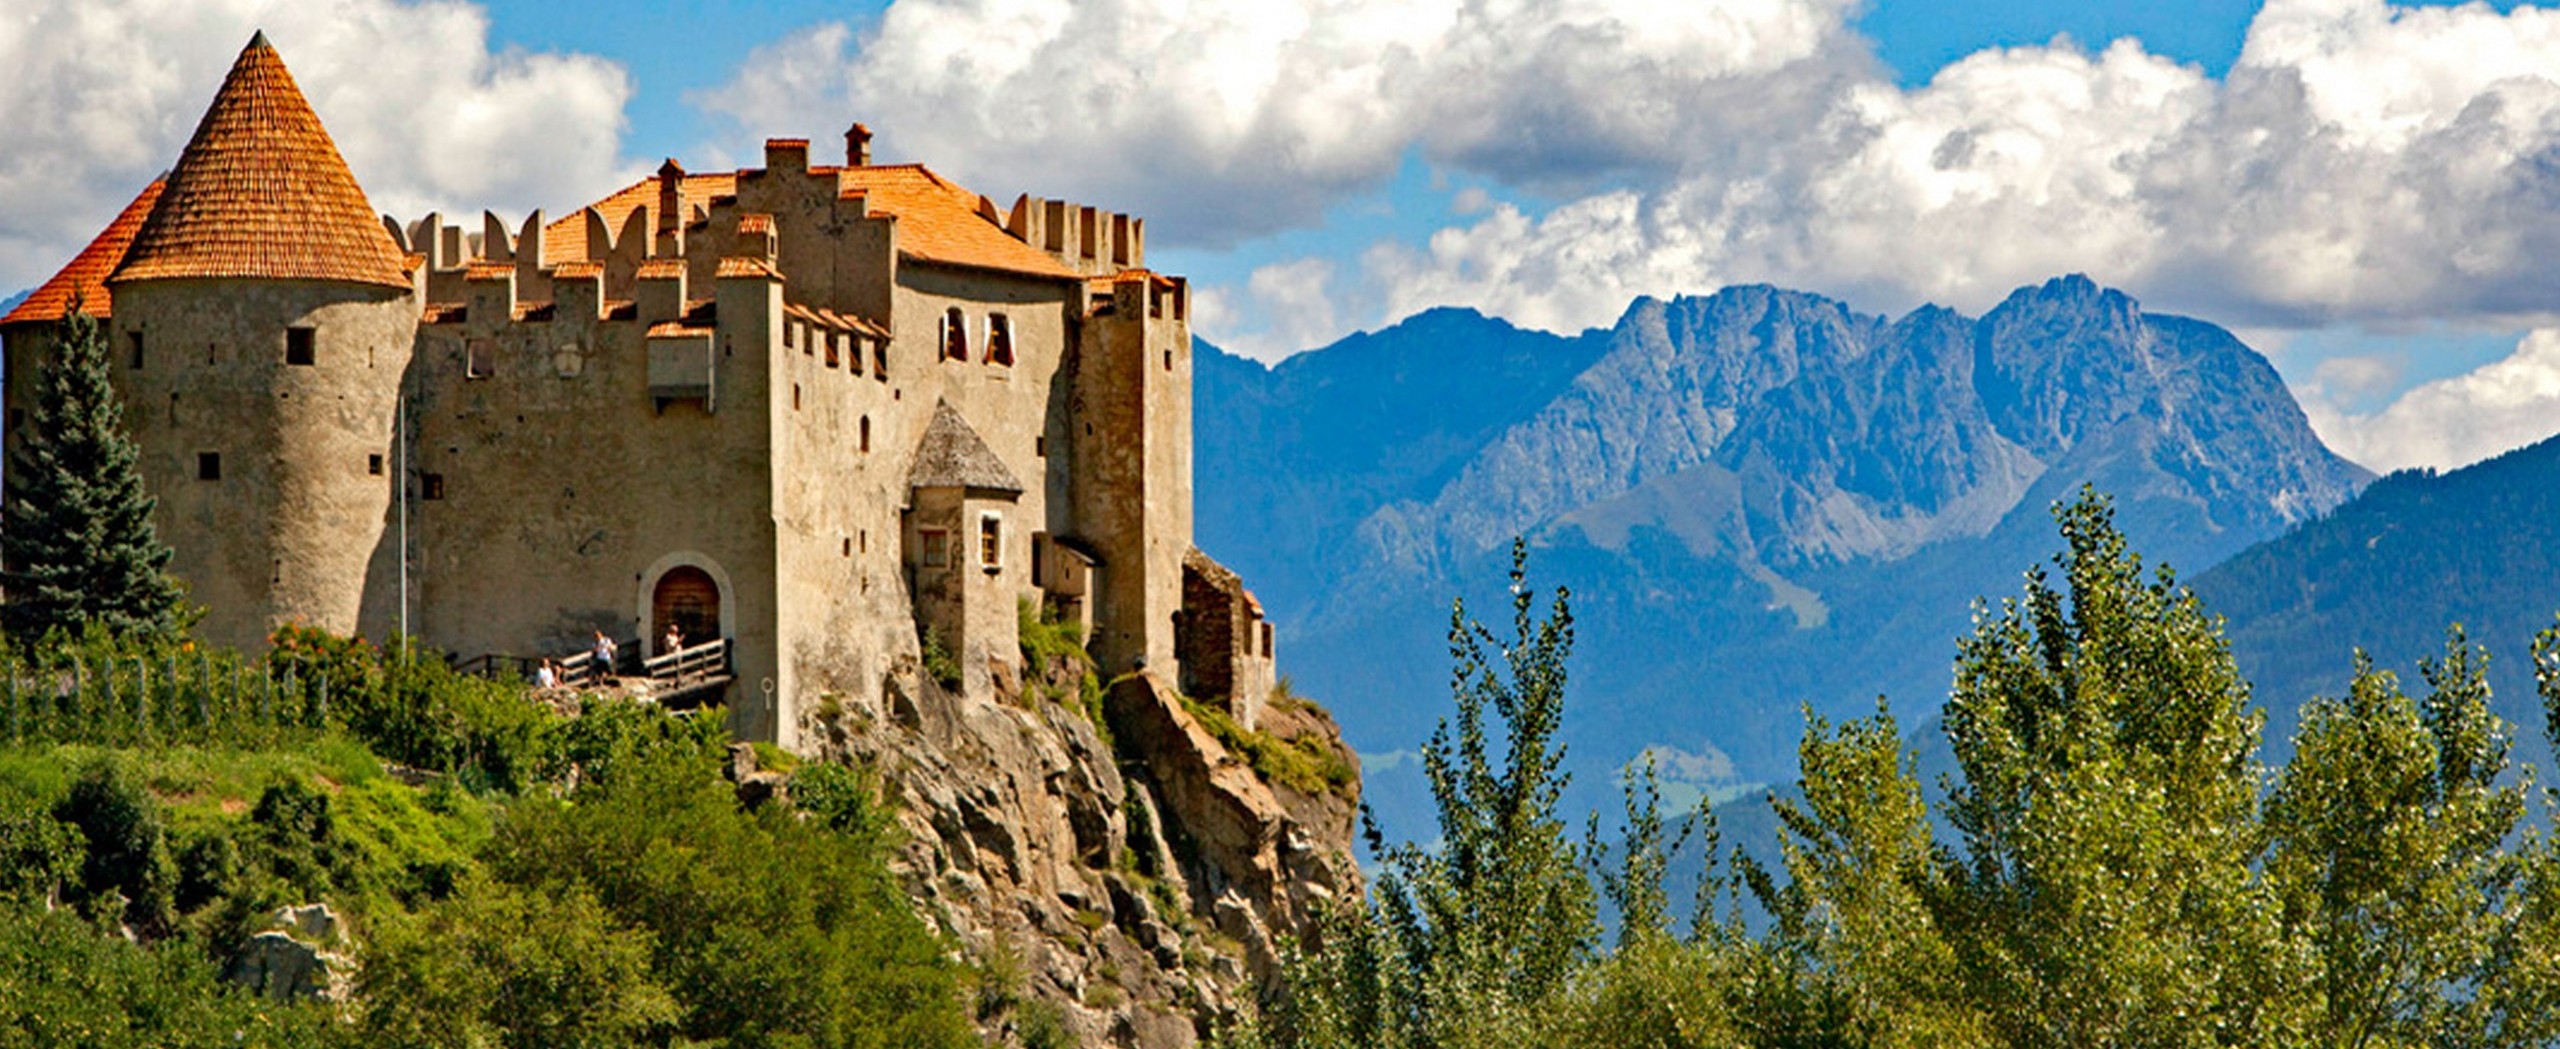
[953, 456]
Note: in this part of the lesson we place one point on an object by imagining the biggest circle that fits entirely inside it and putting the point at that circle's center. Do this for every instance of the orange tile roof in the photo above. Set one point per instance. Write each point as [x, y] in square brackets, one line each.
[261, 192]
[662, 269]
[536, 311]
[565, 238]
[482, 269]
[86, 275]
[678, 330]
[578, 271]
[938, 221]
[942, 222]
[755, 222]
[745, 267]
[443, 313]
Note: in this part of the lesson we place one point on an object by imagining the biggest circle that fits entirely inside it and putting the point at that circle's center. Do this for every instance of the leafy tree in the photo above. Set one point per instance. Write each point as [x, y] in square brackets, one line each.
[2388, 831]
[76, 541]
[64, 984]
[1465, 940]
[494, 966]
[128, 874]
[1855, 954]
[2105, 891]
[767, 929]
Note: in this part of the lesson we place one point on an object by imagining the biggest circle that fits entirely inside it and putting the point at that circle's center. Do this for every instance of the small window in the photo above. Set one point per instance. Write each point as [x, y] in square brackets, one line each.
[934, 540]
[301, 347]
[991, 542]
[955, 335]
[1038, 543]
[373, 464]
[1040, 446]
[1266, 640]
[795, 396]
[999, 339]
[479, 358]
[866, 434]
[208, 466]
[864, 539]
[848, 546]
[133, 341]
[1155, 303]
[431, 486]
[834, 341]
[1168, 360]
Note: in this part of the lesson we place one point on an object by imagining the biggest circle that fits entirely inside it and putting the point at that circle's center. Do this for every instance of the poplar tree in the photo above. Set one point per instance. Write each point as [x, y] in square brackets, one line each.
[76, 542]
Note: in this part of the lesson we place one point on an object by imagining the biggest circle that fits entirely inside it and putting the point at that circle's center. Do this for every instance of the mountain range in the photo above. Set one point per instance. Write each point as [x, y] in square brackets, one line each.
[1764, 501]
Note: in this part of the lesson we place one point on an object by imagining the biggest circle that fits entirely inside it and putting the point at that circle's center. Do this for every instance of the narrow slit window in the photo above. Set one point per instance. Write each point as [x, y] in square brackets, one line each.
[133, 341]
[208, 466]
[795, 396]
[1168, 360]
[301, 347]
[866, 434]
[1000, 339]
[1038, 562]
[431, 486]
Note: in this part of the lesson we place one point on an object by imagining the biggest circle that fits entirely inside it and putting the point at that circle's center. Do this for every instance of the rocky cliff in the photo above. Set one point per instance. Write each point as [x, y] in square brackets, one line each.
[1119, 869]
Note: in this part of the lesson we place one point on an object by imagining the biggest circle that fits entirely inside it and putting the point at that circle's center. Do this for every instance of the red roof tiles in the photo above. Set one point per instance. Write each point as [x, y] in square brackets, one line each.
[261, 192]
[86, 275]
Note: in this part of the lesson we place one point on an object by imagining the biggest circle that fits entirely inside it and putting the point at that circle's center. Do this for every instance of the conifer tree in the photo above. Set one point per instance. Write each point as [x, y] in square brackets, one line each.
[76, 542]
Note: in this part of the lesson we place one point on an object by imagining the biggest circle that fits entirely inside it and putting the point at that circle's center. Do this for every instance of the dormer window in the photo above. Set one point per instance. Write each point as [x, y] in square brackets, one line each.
[955, 335]
[1000, 339]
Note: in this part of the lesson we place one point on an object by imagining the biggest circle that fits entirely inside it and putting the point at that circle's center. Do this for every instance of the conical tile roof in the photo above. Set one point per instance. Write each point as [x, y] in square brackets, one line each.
[261, 192]
[953, 456]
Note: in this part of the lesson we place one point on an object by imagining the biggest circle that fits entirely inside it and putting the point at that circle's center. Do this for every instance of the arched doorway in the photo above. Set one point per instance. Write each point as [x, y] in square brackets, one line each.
[687, 598]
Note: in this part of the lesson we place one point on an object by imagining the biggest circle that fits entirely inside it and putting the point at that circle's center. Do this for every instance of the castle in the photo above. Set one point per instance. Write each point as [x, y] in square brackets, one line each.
[828, 414]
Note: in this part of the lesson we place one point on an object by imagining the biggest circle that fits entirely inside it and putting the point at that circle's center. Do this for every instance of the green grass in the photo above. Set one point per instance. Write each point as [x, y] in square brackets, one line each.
[1049, 645]
[1301, 763]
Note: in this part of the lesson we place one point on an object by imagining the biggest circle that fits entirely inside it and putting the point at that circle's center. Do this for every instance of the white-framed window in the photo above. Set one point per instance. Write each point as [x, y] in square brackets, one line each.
[999, 339]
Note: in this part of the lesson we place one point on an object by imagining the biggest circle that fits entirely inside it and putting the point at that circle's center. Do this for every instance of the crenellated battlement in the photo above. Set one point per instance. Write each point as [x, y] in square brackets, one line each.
[1087, 239]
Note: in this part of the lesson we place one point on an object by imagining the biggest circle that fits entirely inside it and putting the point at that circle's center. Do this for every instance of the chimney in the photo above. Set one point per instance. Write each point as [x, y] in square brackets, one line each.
[857, 146]
[670, 196]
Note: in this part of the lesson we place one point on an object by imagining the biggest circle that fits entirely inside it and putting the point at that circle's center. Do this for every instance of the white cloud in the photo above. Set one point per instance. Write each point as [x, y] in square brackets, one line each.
[2454, 421]
[2359, 162]
[1224, 119]
[427, 116]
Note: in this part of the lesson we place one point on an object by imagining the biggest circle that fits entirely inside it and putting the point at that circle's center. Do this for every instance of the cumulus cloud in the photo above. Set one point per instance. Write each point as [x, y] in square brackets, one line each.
[2359, 161]
[1225, 119]
[427, 116]
[2454, 421]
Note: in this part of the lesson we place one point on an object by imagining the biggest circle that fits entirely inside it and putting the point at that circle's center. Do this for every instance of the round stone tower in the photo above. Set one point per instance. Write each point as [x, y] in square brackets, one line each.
[263, 320]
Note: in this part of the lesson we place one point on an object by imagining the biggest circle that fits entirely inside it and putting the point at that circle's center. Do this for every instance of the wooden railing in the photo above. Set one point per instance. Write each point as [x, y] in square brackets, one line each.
[706, 660]
[702, 662]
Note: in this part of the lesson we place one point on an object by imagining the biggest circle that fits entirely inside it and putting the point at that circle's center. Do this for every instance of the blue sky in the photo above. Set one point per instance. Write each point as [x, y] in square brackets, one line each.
[2365, 190]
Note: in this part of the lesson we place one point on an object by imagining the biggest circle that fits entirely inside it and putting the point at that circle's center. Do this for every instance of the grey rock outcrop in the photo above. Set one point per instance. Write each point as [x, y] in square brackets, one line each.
[1135, 883]
[300, 959]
